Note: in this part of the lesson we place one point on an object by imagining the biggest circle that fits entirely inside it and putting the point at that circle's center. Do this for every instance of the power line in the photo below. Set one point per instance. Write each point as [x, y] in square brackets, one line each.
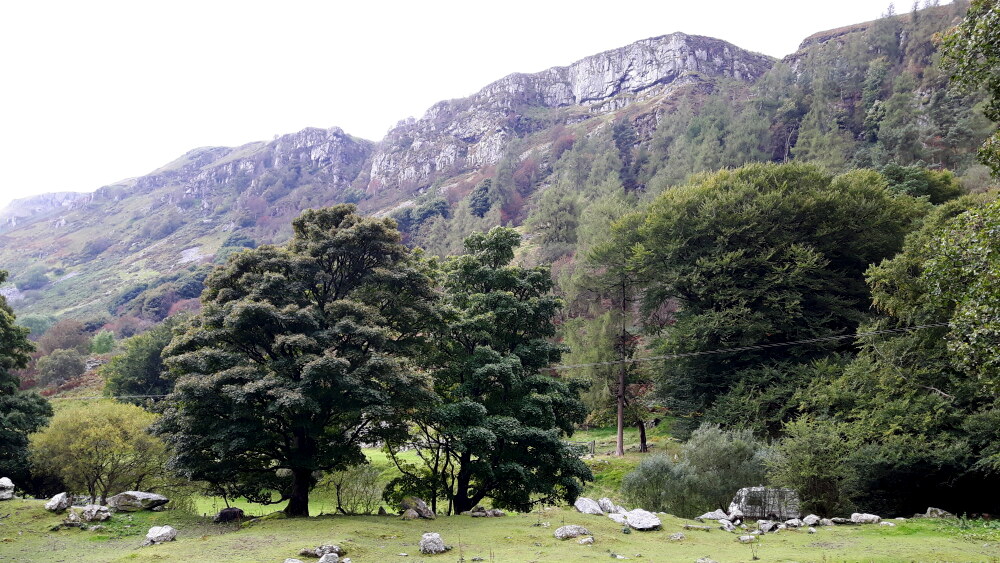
[747, 348]
[636, 360]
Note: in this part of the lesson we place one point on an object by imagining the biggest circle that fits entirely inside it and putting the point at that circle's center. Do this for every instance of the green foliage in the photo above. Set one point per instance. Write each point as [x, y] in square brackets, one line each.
[101, 448]
[972, 51]
[479, 198]
[21, 413]
[496, 431]
[103, 342]
[60, 366]
[938, 186]
[298, 358]
[34, 278]
[65, 335]
[138, 368]
[758, 255]
[713, 465]
[812, 458]
[37, 324]
[357, 489]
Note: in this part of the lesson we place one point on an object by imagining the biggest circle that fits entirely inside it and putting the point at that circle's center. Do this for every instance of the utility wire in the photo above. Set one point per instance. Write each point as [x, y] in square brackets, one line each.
[636, 360]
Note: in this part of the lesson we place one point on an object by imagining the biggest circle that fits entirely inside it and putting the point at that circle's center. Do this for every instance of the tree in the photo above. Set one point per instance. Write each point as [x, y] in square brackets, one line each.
[759, 255]
[21, 413]
[298, 358]
[103, 342]
[101, 448]
[65, 335]
[60, 366]
[496, 429]
[138, 369]
[972, 50]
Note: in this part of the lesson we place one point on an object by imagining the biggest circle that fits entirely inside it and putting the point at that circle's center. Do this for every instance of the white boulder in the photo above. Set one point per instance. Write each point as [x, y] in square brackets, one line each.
[607, 505]
[58, 503]
[132, 501]
[713, 515]
[6, 488]
[571, 531]
[641, 519]
[431, 543]
[95, 513]
[811, 520]
[588, 506]
[161, 534]
[864, 518]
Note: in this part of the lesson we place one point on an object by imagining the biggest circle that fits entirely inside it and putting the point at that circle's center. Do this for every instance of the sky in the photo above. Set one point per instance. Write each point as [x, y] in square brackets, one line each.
[96, 91]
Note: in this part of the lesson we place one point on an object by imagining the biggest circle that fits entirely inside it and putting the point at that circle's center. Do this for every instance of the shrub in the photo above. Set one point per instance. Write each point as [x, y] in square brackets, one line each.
[59, 366]
[358, 489]
[712, 466]
[103, 342]
[812, 458]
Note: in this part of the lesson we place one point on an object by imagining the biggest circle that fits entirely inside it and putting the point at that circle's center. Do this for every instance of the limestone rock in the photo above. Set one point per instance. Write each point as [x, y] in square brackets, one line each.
[887, 524]
[795, 523]
[641, 519]
[735, 515]
[812, 530]
[330, 558]
[608, 506]
[937, 513]
[825, 522]
[619, 518]
[748, 539]
[864, 518]
[726, 525]
[705, 560]
[132, 501]
[588, 506]
[431, 543]
[417, 505]
[292, 560]
[677, 536]
[713, 515]
[570, 531]
[766, 502]
[839, 520]
[160, 534]
[586, 541]
[95, 513]
[59, 503]
[6, 488]
[811, 520]
[767, 526]
[410, 514]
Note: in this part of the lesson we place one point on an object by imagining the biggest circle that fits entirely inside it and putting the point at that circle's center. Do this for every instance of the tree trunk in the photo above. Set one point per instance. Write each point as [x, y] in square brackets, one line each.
[642, 437]
[462, 500]
[298, 502]
[620, 442]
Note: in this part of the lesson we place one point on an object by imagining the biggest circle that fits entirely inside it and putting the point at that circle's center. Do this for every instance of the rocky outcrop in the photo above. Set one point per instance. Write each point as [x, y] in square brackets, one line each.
[588, 506]
[464, 134]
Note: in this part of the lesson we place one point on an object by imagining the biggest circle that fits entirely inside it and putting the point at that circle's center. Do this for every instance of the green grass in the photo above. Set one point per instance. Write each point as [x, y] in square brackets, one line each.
[25, 536]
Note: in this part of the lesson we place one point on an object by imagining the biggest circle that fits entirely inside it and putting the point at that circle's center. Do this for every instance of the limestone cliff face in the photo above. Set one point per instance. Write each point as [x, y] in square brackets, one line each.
[29, 208]
[458, 135]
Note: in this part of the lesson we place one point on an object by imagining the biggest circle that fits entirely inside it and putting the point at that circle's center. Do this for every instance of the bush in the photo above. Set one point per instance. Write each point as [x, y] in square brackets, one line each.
[712, 466]
[34, 278]
[59, 366]
[812, 458]
[103, 342]
[358, 489]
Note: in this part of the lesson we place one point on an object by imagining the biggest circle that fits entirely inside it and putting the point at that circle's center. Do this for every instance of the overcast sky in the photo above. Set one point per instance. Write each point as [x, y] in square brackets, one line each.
[97, 91]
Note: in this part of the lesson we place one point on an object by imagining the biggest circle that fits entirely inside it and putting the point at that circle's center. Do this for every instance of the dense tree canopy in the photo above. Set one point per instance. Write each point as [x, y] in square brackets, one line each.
[296, 359]
[21, 413]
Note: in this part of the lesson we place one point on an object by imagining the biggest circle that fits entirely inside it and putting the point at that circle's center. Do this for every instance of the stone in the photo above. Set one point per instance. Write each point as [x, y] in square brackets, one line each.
[292, 560]
[812, 530]
[825, 522]
[608, 506]
[713, 515]
[410, 514]
[735, 515]
[231, 514]
[726, 525]
[767, 526]
[95, 513]
[6, 488]
[839, 520]
[417, 505]
[133, 501]
[431, 543]
[586, 541]
[864, 518]
[766, 502]
[588, 506]
[495, 513]
[676, 536]
[937, 513]
[570, 531]
[794, 523]
[160, 534]
[705, 560]
[326, 549]
[887, 524]
[748, 539]
[811, 520]
[638, 519]
[59, 503]
[330, 558]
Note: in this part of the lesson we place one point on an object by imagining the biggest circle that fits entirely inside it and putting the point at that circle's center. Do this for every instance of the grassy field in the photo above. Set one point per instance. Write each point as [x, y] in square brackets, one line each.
[25, 535]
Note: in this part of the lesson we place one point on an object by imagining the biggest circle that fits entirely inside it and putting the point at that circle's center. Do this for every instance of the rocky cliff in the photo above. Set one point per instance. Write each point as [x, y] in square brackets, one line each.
[469, 133]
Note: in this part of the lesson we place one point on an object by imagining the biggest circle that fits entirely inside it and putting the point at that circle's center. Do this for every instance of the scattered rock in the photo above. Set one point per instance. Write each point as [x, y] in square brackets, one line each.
[748, 539]
[639, 519]
[812, 530]
[431, 543]
[231, 514]
[6, 488]
[727, 525]
[410, 514]
[418, 506]
[677, 536]
[292, 560]
[94, 513]
[321, 550]
[607, 505]
[931, 512]
[59, 503]
[160, 534]
[713, 515]
[132, 501]
[588, 506]
[705, 560]
[811, 520]
[825, 522]
[480, 512]
[888, 524]
[864, 518]
[767, 526]
[794, 523]
[330, 558]
[766, 502]
[96, 528]
[586, 541]
[839, 520]
[696, 527]
[571, 531]
[735, 515]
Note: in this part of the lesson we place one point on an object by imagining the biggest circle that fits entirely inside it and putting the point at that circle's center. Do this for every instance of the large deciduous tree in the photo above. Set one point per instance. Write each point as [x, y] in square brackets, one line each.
[496, 430]
[761, 255]
[21, 413]
[298, 358]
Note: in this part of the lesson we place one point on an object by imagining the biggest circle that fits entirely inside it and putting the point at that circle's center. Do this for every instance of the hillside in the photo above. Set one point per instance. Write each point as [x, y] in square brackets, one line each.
[646, 115]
